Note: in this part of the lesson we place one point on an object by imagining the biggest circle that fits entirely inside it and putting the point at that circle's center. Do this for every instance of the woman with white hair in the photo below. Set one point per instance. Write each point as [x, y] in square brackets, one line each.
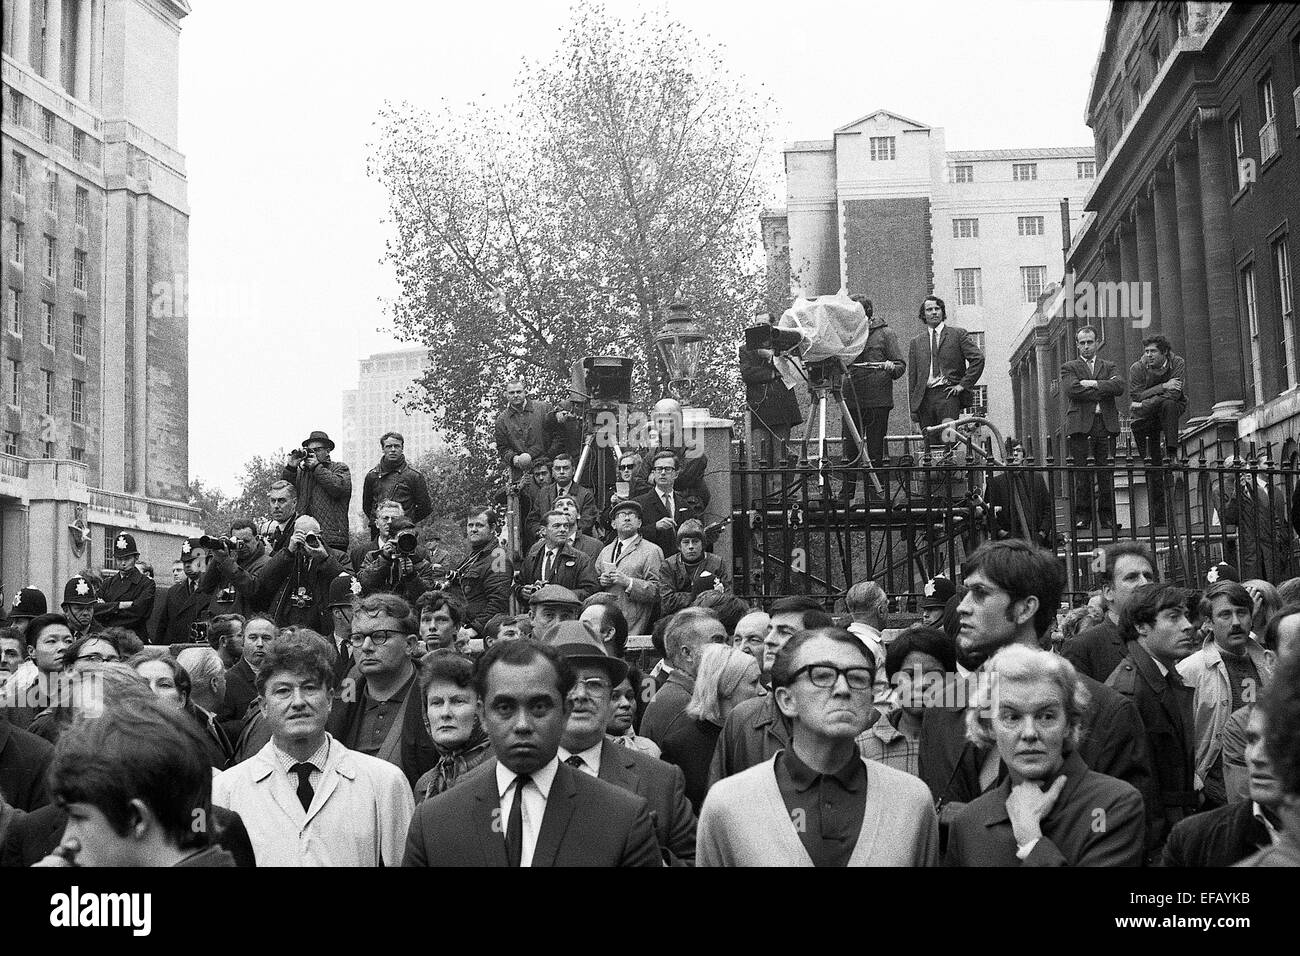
[1049, 809]
[726, 677]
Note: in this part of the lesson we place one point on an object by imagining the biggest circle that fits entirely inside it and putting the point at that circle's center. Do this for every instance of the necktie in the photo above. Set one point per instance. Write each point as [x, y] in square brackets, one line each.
[668, 505]
[934, 354]
[618, 550]
[305, 791]
[515, 825]
[547, 562]
[575, 762]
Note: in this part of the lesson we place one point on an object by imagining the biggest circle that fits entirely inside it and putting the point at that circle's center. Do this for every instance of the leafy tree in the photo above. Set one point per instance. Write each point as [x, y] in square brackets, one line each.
[214, 507]
[217, 511]
[627, 173]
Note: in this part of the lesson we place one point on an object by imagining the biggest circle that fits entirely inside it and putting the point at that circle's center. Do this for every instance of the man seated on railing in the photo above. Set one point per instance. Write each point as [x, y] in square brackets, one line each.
[1157, 401]
[1019, 492]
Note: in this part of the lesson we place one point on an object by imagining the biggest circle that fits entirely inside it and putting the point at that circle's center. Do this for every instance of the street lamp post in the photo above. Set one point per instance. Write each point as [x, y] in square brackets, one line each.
[679, 345]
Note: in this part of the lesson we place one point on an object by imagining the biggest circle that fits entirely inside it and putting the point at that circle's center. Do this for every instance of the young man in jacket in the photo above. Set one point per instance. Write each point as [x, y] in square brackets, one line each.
[943, 365]
[690, 572]
[870, 395]
[394, 480]
[482, 580]
[1092, 423]
[523, 429]
[1156, 402]
[553, 560]
[324, 487]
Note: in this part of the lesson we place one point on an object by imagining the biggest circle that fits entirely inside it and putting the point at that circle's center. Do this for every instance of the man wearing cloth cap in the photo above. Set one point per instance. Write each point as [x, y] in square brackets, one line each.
[690, 572]
[183, 604]
[553, 560]
[552, 604]
[344, 590]
[79, 596]
[324, 487]
[28, 603]
[586, 748]
[127, 599]
[629, 567]
[938, 591]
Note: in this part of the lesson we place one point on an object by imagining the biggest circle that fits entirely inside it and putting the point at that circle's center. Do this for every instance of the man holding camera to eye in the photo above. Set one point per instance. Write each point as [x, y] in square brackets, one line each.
[295, 581]
[398, 564]
[324, 487]
[234, 565]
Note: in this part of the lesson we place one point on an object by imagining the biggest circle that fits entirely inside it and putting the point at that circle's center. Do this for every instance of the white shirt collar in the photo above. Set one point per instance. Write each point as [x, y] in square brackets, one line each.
[542, 777]
[939, 329]
[590, 757]
[1258, 812]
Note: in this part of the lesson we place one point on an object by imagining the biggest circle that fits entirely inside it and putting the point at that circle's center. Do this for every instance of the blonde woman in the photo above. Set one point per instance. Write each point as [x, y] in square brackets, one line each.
[726, 677]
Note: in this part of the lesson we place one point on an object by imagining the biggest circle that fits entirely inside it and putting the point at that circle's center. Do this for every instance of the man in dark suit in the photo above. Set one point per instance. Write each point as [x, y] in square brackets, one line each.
[184, 604]
[525, 807]
[1020, 492]
[241, 688]
[554, 561]
[943, 365]
[1091, 385]
[1157, 629]
[870, 394]
[24, 760]
[563, 484]
[663, 506]
[127, 598]
[585, 747]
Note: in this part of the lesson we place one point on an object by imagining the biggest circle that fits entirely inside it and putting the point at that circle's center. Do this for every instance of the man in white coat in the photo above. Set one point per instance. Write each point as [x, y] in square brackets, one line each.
[308, 800]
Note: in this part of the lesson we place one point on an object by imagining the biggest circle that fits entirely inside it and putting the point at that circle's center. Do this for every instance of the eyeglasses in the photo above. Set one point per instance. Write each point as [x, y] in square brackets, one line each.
[98, 659]
[378, 638]
[594, 686]
[826, 675]
[628, 467]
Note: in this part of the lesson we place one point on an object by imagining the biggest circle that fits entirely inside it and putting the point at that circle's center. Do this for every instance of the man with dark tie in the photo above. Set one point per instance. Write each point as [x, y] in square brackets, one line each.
[562, 485]
[553, 560]
[943, 365]
[1091, 384]
[183, 604]
[553, 815]
[663, 505]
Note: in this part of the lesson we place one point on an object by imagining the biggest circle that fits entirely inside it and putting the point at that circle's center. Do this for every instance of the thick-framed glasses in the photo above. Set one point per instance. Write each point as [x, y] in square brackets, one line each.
[378, 638]
[99, 659]
[628, 467]
[825, 675]
[665, 468]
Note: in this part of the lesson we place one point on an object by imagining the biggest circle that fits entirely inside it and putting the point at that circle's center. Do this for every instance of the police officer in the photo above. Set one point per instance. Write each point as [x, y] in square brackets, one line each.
[344, 590]
[184, 604]
[79, 597]
[938, 590]
[28, 603]
[127, 598]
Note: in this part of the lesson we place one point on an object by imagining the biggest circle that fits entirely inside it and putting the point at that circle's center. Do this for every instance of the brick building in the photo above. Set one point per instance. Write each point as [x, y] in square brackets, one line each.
[1196, 112]
[884, 209]
[94, 345]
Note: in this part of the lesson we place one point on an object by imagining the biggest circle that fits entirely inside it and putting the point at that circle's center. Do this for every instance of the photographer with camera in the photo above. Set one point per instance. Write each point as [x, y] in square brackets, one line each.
[181, 618]
[553, 560]
[234, 564]
[870, 396]
[393, 480]
[773, 405]
[482, 579]
[127, 598]
[324, 487]
[399, 565]
[297, 579]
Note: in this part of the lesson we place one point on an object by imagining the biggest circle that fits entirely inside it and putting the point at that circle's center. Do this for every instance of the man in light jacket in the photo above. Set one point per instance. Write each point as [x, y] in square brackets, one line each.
[629, 568]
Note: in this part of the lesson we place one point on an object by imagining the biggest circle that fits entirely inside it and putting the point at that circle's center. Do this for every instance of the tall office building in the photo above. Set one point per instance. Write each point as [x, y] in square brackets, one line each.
[885, 210]
[375, 407]
[95, 259]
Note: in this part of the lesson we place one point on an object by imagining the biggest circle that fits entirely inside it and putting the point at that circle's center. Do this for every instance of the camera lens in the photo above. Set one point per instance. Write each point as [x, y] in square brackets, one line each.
[406, 542]
[311, 540]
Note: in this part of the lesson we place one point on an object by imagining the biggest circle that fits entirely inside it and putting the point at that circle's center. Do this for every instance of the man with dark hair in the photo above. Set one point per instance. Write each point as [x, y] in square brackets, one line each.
[1013, 593]
[688, 631]
[523, 429]
[1020, 493]
[394, 480]
[579, 541]
[1091, 385]
[324, 487]
[525, 807]
[914, 662]
[943, 365]
[1229, 670]
[127, 598]
[1156, 402]
[13, 652]
[869, 394]
[690, 572]
[306, 799]
[554, 561]
[34, 686]
[241, 680]
[232, 576]
[399, 564]
[664, 507]
[1282, 744]
[184, 604]
[728, 608]
[382, 714]
[562, 485]
[441, 618]
[530, 486]
[1157, 629]
[481, 581]
[1126, 566]
[818, 801]
[756, 729]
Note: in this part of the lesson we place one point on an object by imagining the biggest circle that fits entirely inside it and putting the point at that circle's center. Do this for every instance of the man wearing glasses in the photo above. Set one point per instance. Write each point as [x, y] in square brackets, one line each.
[664, 506]
[818, 802]
[382, 714]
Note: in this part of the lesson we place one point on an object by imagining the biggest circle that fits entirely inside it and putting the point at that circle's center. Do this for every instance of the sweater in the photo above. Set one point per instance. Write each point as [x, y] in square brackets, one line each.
[744, 822]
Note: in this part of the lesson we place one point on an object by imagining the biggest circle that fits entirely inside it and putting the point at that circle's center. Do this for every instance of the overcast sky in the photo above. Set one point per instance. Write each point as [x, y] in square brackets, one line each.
[278, 102]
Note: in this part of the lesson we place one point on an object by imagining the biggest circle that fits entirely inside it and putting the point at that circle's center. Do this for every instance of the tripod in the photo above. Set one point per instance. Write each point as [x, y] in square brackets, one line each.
[826, 382]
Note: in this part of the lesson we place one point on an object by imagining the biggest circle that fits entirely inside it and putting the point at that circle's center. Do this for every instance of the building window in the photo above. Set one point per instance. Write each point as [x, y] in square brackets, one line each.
[1085, 169]
[882, 148]
[1286, 303]
[51, 257]
[20, 242]
[977, 338]
[78, 334]
[48, 380]
[15, 312]
[20, 174]
[78, 454]
[17, 107]
[47, 126]
[980, 400]
[1268, 144]
[968, 287]
[82, 206]
[11, 443]
[79, 270]
[1032, 280]
[48, 450]
[47, 324]
[1239, 152]
[1029, 225]
[1252, 317]
[963, 174]
[1024, 172]
[78, 402]
[52, 194]
[78, 145]
[14, 381]
[965, 228]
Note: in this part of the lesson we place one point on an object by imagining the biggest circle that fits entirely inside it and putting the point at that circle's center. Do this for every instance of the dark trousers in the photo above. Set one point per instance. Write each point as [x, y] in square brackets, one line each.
[937, 407]
[1098, 444]
[767, 443]
[871, 424]
[1162, 422]
[1151, 436]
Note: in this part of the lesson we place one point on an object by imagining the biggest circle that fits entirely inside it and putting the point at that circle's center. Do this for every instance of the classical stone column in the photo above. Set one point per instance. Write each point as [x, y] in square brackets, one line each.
[1199, 386]
[96, 52]
[1220, 274]
[22, 27]
[81, 75]
[53, 36]
[1130, 274]
[1166, 243]
[1148, 264]
[1112, 271]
